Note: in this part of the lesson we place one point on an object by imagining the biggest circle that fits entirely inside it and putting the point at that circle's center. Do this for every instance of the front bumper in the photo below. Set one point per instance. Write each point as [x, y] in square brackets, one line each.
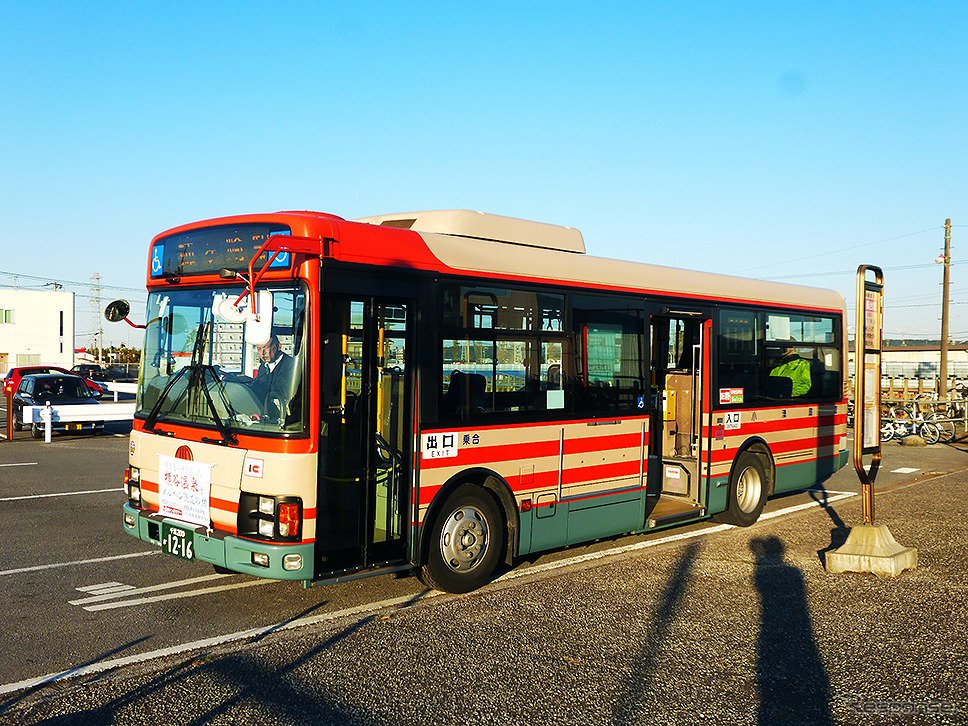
[226, 550]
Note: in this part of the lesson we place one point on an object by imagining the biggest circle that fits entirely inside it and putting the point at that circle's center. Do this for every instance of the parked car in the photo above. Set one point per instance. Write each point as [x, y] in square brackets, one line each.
[91, 371]
[60, 390]
[12, 380]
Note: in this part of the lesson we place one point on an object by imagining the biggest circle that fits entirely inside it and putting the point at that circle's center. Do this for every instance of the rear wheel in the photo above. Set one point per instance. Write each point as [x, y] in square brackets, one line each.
[37, 431]
[748, 486]
[466, 541]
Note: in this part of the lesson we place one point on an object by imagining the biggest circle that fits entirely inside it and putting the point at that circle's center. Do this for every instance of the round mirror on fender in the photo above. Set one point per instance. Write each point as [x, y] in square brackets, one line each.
[117, 311]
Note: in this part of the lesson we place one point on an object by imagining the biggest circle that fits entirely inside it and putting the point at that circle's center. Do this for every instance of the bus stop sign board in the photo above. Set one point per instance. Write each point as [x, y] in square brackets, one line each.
[869, 548]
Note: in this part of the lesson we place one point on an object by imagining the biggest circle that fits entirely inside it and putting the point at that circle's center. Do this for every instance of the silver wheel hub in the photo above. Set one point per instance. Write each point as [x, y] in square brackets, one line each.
[463, 539]
[749, 488]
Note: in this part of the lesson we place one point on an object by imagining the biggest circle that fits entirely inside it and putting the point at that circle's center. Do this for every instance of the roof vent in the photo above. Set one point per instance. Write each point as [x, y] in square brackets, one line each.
[477, 225]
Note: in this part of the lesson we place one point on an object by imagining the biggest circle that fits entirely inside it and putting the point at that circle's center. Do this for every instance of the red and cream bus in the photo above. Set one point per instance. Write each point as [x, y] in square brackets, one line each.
[321, 399]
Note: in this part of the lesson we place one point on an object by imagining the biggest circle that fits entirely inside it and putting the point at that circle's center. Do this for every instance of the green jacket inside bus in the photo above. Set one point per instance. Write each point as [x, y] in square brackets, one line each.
[795, 368]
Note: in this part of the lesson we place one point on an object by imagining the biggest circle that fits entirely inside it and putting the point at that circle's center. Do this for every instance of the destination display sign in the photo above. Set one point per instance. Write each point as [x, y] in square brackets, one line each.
[206, 251]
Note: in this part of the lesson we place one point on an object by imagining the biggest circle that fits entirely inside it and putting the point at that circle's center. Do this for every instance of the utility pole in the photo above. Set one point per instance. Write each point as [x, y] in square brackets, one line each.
[97, 330]
[943, 372]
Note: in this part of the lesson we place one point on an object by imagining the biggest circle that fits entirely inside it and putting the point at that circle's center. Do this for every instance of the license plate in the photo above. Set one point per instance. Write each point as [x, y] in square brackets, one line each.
[177, 541]
[74, 427]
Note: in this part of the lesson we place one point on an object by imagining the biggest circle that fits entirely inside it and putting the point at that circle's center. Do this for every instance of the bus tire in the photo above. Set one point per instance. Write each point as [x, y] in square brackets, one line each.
[748, 488]
[466, 541]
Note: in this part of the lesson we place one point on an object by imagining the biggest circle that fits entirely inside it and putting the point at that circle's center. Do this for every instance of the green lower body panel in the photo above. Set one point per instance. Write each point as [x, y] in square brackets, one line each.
[281, 561]
[718, 492]
[590, 519]
[557, 524]
[792, 477]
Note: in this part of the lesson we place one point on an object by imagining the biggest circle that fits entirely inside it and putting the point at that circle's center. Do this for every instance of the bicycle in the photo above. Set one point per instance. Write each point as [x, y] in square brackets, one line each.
[941, 413]
[901, 421]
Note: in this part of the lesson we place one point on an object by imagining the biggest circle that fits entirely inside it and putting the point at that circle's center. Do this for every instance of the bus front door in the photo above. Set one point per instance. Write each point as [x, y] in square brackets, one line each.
[362, 510]
[676, 445]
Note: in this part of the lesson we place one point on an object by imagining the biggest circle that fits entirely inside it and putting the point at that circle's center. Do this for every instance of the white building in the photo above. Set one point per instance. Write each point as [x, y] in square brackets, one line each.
[36, 327]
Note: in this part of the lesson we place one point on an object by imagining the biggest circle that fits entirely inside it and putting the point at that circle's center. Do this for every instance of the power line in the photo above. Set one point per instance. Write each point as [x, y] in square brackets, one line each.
[898, 268]
[842, 249]
[71, 282]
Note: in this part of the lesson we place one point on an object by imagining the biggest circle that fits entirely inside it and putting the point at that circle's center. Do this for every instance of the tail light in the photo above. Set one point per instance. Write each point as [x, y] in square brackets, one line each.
[288, 519]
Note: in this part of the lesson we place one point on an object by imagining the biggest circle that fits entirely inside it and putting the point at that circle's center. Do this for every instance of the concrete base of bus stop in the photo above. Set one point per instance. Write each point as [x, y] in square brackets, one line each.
[730, 626]
[873, 549]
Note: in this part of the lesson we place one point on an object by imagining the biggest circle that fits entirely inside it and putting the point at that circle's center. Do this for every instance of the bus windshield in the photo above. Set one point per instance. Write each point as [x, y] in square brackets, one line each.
[198, 368]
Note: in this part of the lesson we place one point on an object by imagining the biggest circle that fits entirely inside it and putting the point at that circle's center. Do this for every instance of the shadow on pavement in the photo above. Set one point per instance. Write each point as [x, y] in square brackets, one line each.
[242, 691]
[794, 686]
[840, 532]
[628, 708]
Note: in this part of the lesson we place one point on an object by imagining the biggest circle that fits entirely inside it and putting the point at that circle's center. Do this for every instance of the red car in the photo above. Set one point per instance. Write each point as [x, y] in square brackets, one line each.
[12, 379]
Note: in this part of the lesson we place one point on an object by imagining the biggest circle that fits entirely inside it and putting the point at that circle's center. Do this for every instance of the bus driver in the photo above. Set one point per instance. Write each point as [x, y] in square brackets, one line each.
[273, 379]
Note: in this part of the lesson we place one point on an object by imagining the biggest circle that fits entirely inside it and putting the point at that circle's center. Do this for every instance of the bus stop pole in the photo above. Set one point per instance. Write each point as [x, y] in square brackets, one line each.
[867, 382]
[869, 548]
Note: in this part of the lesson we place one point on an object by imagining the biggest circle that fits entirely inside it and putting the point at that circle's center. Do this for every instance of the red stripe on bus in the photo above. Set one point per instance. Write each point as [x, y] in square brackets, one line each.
[830, 442]
[551, 425]
[468, 455]
[580, 475]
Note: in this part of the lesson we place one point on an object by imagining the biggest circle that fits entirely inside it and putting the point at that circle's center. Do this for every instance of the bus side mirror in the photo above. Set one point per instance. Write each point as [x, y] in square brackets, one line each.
[117, 311]
[258, 322]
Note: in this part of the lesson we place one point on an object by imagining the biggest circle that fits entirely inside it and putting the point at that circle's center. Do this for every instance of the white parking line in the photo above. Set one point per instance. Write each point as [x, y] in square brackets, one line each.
[55, 565]
[61, 494]
[106, 588]
[367, 609]
[24, 463]
[112, 592]
[178, 595]
[94, 668]
[660, 541]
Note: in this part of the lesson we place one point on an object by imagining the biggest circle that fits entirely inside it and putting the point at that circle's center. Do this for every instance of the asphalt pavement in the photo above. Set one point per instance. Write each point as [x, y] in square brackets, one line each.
[731, 626]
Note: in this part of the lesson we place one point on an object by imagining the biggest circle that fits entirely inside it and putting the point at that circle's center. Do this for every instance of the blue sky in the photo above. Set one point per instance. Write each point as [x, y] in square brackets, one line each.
[787, 141]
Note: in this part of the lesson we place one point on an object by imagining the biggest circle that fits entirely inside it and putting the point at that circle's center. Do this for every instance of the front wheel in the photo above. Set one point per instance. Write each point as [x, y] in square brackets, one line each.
[930, 432]
[466, 541]
[748, 485]
[946, 428]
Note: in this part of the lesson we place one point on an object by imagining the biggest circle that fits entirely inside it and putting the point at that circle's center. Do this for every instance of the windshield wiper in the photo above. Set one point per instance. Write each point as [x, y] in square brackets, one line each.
[227, 436]
[156, 409]
[196, 382]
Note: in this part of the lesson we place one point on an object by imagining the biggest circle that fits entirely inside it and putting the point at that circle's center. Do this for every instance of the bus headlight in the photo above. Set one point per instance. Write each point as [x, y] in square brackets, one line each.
[132, 479]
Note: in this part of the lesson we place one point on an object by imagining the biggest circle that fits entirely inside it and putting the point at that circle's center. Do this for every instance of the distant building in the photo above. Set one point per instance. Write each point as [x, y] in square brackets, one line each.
[920, 361]
[36, 326]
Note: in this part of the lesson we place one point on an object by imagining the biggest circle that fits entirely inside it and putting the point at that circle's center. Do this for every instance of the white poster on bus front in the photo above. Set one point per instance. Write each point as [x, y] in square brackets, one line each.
[184, 488]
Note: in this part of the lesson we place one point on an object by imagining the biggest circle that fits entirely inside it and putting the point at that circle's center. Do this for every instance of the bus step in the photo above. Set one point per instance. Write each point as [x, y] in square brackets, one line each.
[668, 512]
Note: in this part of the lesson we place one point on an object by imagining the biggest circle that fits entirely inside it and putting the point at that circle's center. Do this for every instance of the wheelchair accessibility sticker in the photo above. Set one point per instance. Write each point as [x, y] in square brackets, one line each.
[157, 256]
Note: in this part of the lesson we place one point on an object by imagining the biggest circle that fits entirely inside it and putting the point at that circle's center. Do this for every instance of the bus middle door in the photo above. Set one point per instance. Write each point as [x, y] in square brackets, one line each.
[679, 340]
